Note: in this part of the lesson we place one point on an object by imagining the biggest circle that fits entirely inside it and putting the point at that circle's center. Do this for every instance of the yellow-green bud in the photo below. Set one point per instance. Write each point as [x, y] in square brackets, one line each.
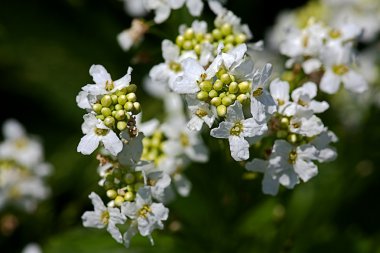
[109, 121]
[101, 117]
[216, 101]
[131, 97]
[202, 95]
[242, 98]
[129, 196]
[281, 134]
[221, 110]
[131, 88]
[179, 40]
[292, 138]
[217, 34]
[213, 93]
[97, 107]
[138, 186]
[227, 101]
[122, 99]
[118, 107]
[106, 100]
[187, 45]
[111, 194]
[208, 37]
[120, 115]
[229, 39]
[226, 29]
[129, 178]
[225, 78]
[114, 99]
[220, 72]
[128, 106]
[232, 96]
[222, 95]
[130, 188]
[121, 92]
[119, 200]
[205, 85]
[227, 47]
[233, 87]
[146, 142]
[218, 85]
[189, 34]
[121, 125]
[136, 107]
[198, 49]
[244, 87]
[199, 37]
[106, 111]
[240, 38]
[284, 123]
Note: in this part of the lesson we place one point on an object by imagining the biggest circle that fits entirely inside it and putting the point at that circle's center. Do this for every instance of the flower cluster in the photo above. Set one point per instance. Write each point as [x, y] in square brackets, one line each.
[22, 168]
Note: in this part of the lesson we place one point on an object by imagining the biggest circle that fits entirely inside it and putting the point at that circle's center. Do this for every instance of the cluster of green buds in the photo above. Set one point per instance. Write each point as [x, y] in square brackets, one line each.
[121, 184]
[223, 90]
[116, 109]
[190, 40]
[153, 147]
[279, 127]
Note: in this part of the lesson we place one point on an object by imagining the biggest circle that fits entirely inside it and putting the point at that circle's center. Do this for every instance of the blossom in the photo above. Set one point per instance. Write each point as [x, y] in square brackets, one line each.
[145, 215]
[103, 216]
[95, 132]
[132, 36]
[200, 113]
[236, 129]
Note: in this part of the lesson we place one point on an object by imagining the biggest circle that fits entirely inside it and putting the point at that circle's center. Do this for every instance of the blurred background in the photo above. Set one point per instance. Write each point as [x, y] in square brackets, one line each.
[46, 50]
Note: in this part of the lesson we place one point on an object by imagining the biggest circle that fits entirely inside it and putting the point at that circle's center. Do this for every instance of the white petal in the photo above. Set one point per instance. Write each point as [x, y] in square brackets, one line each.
[354, 82]
[257, 165]
[115, 233]
[182, 184]
[223, 130]
[235, 113]
[88, 143]
[160, 211]
[279, 90]
[330, 82]
[127, 236]
[161, 14]
[252, 128]
[112, 143]
[100, 74]
[195, 7]
[305, 169]
[239, 148]
[92, 220]
[124, 81]
[269, 185]
[311, 65]
[12, 129]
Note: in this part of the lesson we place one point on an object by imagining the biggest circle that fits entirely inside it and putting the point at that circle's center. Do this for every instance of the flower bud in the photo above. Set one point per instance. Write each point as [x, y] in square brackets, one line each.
[121, 125]
[136, 107]
[205, 85]
[106, 100]
[228, 47]
[120, 115]
[122, 99]
[213, 93]
[202, 95]
[128, 106]
[109, 121]
[226, 29]
[218, 85]
[189, 34]
[221, 110]
[217, 34]
[227, 101]
[106, 111]
[244, 87]
[230, 39]
[179, 40]
[198, 49]
[187, 45]
[240, 38]
[284, 123]
[111, 194]
[216, 101]
[131, 88]
[131, 97]
[119, 200]
[242, 98]
[225, 78]
[129, 196]
[233, 87]
[114, 99]
[101, 117]
[97, 107]
[129, 178]
[292, 138]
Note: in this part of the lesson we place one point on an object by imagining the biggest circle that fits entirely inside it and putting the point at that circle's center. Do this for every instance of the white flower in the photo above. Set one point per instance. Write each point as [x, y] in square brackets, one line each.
[200, 113]
[279, 91]
[103, 82]
[337, 60]
[32, 248]
[326, 153]
[133, 35]
[145, 215]
[262, 102]
[304, 122]
[304, 95]
[135, 8]
[236, 129]
[95, 132]
[285, 166]
[162, 8]
[103, 216]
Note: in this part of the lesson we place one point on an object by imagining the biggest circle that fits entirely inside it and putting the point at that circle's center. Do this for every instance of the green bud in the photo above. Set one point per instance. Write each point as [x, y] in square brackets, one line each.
[111, 194]
[119, 200]
[228, 47]
[129, 196]
[122, 99]
[187, 45]
[101, 117]
[128, 106]
[130, 188]
[179, 40]
[146, 142]
[229, 39]
[232, 96]
[120, 115]
[222, 95]
[138, 186]
[106, 111]
[225, 78]
[121, 92]
[121, 125]
[113, 113]
[108, 185]
[205, 85]
[292, 138]
[220, 72]
[240, 38]
[208, 37]
[244, 87]
[202, 95]
[242, 98]
[281, 134]
[216, 101]
[114, 99]
[199, 37]
[109, 121]
[189, 34]
[227, 101]
[118, 107]
[131, 97]
[217, 34]
[226, 29]
[221, 110]
[284, 123]
[233, 87]
[97, 107]
[106, 100]
[129, 178]
[131, 88]
[136, 107]
[213, 93]
[218, 85]
[198, 49]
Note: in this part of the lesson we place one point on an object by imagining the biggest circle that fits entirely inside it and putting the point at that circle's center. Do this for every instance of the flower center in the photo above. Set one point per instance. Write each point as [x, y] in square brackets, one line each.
[335, 34]
[237, 129]
[340, 69]
[174, 66]
[184, 138]
[292, 157]
[101, 132]
[201, 113]
[109, 86]
[104, 217]
[258, 92]
[144, 211]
